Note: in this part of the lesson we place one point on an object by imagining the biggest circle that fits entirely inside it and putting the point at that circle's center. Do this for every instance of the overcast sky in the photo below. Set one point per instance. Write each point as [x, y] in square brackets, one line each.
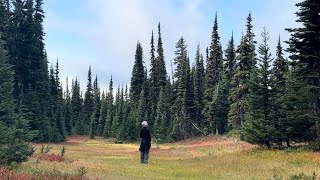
[104, 33]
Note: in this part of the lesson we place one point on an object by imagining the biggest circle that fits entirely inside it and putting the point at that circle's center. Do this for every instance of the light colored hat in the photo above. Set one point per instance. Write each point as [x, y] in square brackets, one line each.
[144, 123]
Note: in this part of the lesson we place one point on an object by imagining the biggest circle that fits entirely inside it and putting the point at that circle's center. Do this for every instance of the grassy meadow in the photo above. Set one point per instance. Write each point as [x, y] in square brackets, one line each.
[203, 158]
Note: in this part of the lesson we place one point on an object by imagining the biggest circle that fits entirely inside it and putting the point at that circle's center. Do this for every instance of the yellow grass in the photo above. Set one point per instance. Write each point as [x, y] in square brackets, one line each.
[205, 158]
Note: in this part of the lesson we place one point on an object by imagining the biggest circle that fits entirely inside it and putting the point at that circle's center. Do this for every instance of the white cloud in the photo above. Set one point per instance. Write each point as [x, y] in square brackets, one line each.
[114, 27]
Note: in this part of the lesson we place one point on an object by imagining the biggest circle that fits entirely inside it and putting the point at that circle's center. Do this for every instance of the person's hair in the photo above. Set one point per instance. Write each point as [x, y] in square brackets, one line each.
[144, 123]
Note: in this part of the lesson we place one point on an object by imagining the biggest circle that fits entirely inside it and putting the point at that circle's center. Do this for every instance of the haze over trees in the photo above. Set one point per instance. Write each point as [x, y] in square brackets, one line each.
[242, 88]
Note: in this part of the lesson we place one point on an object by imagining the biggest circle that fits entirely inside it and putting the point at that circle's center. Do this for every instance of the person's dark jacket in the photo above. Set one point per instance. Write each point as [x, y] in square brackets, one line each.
[145, 139]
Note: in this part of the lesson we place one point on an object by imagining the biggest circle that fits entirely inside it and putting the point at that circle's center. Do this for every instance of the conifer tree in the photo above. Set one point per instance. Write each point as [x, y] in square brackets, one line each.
[103, 114]
[199, 84]
[259, 122]
[88, 102]
[279, 75]
[137, 77]
[230, 59]
[219, 106]
[161, 65]
[68, 114]
[213, 70]
[246, 61]
[96, 109]
[110, 111]
[15, 135]
[77, 108]
[304, 48]
[181, 117]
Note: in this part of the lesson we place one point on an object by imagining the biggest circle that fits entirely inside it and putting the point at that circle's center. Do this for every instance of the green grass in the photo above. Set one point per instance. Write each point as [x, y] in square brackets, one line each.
[206, 158]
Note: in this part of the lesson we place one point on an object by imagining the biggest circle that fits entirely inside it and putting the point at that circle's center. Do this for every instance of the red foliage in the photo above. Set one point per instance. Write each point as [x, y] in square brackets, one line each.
[52, 157]
[7, 174]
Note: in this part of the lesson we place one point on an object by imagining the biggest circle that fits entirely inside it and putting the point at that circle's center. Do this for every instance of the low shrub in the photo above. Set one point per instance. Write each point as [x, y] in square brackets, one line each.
[52, 157]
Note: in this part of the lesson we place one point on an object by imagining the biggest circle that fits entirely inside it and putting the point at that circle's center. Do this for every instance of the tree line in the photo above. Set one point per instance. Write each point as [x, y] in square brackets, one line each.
[243, 89]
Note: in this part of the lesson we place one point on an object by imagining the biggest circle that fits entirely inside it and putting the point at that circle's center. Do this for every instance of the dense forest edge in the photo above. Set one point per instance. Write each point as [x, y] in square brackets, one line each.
[242, 89]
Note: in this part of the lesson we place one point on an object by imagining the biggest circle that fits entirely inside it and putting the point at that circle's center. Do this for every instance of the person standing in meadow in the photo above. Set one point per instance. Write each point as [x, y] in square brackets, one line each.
[145, 142]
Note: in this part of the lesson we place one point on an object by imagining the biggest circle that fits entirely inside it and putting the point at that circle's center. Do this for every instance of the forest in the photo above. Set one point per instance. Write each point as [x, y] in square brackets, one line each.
[240, 89]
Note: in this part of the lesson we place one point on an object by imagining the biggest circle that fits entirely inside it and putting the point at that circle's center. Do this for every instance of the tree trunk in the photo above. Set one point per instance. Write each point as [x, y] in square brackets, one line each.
[318, 131]
[288, 142]
[267, 144]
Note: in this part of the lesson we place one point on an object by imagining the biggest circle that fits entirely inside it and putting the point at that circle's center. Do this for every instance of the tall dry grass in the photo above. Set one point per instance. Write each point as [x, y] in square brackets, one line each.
[202, 158]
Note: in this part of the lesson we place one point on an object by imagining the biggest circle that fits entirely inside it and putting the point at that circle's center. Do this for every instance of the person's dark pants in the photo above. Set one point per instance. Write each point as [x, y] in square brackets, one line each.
[144, 156]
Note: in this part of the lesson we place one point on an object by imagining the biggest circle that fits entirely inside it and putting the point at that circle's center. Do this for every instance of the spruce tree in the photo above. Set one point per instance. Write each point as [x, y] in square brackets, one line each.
[77, 108]
[137, 77]
[213, 74]
[230, 59]
[279, 76]
[88, 102]
[68, 114]
[163, 117]
[161, 65]
[181, 119]
[110, 112]
[304, 47]
[15, 135]
[103, 114]
[219, 106]
[199, 84]
[259, 124]
[245, 64]
[96, 109]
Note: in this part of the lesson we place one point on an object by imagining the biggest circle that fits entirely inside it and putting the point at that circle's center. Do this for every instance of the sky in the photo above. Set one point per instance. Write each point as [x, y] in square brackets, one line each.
[103, 33]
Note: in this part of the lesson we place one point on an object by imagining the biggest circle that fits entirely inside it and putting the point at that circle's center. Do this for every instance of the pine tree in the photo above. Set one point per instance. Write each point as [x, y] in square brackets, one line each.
[230, 59]
[68, 114]
[116, 121]
[59, 104]
[296, 124]
[161, 65]
[88, 102]
[304, 48]
[246, 62]
[137, 77]
[181, 117]
[259, 124]
[103, 114]
[199, 84]
[13, 127]
[279, 75]
[77, 109]
[110, 113]
[219, 106]
[96, 109]
[213, 73]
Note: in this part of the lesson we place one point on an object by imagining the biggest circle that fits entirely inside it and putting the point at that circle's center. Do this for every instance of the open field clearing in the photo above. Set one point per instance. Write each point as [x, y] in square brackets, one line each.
[203, 158]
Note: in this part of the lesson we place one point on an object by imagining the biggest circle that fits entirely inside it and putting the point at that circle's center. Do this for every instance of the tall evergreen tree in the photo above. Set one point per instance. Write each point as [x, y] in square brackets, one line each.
[260, 125]
[230, 59]
[77, 108]
[246, 62]
[137, 77]
[15, 135]
[279, 76]
[68, 114]
[181, 119]
[88, 102]
[199, 84]
[213, 73]
[304, 48]
[162, 72]
[96, 109]
[110, 113]
[220, 105]
[103, 114]
[163, 117]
